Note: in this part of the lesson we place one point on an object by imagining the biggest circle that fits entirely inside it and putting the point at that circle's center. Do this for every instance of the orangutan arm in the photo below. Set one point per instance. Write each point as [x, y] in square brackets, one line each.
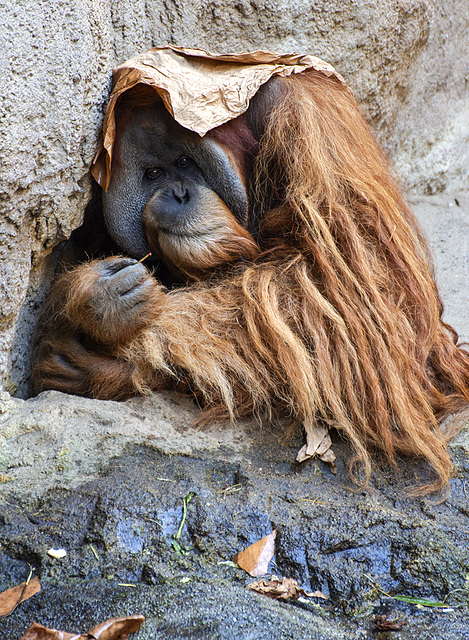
[93, 309]
[115, 333]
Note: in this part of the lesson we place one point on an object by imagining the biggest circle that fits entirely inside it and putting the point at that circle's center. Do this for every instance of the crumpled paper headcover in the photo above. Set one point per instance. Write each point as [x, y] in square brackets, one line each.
[199, 89]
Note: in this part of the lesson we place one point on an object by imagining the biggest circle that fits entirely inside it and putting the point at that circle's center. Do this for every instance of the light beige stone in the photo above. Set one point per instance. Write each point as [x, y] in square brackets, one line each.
[406, 61]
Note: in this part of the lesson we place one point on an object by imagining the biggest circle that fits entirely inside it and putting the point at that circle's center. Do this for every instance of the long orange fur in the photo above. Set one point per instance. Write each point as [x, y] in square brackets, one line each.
[336, 318]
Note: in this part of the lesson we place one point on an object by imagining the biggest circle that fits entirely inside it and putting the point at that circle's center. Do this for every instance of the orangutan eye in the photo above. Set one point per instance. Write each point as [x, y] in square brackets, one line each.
[152, 174]
[183, 162]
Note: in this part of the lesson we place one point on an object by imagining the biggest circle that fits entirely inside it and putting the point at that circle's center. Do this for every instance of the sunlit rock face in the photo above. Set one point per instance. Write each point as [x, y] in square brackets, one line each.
[402, 58]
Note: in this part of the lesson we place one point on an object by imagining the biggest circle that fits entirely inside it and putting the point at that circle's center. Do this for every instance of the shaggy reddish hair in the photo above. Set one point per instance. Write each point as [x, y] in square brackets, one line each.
[334, 317]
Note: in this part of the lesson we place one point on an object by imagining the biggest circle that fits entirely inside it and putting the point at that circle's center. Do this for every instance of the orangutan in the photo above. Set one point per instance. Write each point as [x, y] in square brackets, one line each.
[300, 281]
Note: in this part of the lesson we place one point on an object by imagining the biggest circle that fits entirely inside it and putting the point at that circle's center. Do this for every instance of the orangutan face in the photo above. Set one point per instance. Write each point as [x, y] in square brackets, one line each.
[175, 194]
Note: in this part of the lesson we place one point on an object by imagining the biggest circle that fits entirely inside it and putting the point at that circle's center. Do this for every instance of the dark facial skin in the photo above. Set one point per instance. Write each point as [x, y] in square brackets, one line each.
[164, 181]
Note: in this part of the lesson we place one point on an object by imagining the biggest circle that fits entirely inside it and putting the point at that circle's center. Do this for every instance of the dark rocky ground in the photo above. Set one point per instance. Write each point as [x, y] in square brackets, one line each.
[105, 481]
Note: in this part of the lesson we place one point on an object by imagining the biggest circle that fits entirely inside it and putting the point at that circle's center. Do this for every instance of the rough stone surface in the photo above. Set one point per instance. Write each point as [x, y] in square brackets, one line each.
[105, 481]
[445, 220]
[405, 59]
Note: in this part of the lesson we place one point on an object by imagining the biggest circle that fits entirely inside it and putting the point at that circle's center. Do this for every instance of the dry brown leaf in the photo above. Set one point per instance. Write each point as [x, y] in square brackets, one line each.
[329, 457]
[38, 632]
[318, 443]
[282, 589]
[255, 559]
[113, 629]
[382, 623]
[12, 597]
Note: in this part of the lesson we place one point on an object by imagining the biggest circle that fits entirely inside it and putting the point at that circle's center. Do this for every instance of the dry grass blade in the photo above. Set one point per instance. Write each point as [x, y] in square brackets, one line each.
[282, 589]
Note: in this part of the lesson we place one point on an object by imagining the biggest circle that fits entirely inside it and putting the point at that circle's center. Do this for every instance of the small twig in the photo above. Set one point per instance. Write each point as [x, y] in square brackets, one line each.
[313, 501]
[158, 524]
[144, 258]
[376, 586]
[229, 490]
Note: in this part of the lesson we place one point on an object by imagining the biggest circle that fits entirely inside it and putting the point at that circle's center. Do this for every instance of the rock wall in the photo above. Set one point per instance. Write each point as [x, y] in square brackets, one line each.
[405, 59]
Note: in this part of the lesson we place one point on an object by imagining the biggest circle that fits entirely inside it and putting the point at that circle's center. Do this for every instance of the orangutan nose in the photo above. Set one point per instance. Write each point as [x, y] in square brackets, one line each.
[181, 194]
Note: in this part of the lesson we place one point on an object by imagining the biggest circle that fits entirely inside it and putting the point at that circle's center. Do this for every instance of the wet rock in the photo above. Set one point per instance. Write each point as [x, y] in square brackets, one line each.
[117, 512]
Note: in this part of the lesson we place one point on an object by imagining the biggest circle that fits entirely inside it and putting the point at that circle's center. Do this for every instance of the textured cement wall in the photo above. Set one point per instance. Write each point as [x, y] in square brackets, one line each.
[406, 60]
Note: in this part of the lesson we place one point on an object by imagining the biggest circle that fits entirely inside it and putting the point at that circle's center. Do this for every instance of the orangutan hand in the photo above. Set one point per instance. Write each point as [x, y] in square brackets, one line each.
[113, 299]
[67, 365]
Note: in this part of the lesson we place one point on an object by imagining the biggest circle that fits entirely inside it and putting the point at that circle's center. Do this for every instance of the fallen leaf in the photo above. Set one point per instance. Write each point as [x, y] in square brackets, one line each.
[16, 595]
[282, 589]
[113, 629]
[38, 632]
[329, 457]
[383, 624]
[318, 443]
[255, 559]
